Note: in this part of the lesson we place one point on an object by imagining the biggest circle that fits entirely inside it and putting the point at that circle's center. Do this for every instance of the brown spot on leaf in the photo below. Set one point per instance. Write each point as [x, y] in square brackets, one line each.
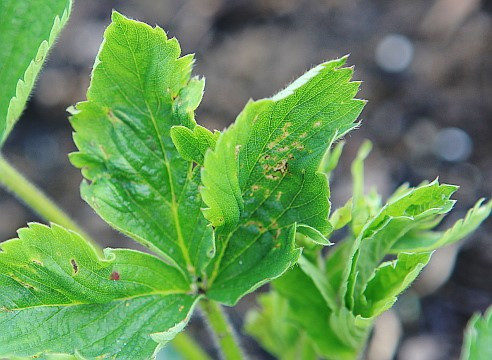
[286, 125]
[75, 266]
[181, 308]
[37, 262]
[317, 124]
[282, 166]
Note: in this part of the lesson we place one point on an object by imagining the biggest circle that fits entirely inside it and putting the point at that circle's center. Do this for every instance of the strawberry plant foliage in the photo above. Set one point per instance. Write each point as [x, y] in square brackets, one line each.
[262, 177]
[26, 37]
[335, 298]
[222, 213]
[477, 344]
[154, 174]
[57, 293]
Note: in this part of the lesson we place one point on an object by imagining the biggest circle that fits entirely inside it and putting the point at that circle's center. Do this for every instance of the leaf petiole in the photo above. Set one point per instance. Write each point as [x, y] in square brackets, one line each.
[186, 346]
[222, 330]
[14, 182]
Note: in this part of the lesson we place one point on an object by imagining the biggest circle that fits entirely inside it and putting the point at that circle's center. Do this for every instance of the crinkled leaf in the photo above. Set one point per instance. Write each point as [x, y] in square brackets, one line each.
[393, 221]
[353, 281]
[477, 344]
[136, 179]
[28, 29]
[263, 177]
[57, 295]
[390, 280]
[430, 240]
[193, 144]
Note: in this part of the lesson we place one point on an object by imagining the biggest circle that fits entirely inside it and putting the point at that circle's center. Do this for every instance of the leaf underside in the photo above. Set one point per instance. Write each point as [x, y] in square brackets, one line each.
[28, 29]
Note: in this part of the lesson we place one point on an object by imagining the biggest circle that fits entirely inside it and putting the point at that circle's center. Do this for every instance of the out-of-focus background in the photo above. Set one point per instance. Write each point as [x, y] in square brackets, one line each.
[427, 72]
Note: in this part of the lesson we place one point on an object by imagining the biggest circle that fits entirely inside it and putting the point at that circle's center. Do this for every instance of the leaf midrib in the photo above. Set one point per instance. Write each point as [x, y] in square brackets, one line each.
[174, 206]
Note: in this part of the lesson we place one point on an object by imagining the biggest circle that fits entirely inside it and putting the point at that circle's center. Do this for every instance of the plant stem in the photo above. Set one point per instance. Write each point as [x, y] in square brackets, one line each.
[222, 330]
[32, 196]
[186, 346]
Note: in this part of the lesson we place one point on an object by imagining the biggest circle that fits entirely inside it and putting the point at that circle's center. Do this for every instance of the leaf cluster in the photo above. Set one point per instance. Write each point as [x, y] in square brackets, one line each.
[328, 303]
[221, 213]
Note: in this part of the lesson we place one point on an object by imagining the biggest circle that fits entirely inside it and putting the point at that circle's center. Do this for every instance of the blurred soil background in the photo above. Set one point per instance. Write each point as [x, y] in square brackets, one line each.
[427, 72]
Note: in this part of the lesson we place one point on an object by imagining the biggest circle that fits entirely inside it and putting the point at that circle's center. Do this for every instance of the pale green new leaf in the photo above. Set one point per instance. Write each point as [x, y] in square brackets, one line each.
[320, 280]
[477, 344]
[331, 158]
[342, 216]
[137, 180]
[263, 176]
[57, 295]
[360, 206]
[28, 29]
[271, 327]
[313, 234]
[390, 280]
[377, 237]
[193, 144]
[309, 312]
[430, 240]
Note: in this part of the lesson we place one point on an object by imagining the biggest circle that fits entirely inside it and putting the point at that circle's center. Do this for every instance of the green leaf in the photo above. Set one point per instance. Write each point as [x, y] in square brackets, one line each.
[320, 280]
[271, 327]
[360, 207]
[390, 280]
[431, 240]
[477, 344]
[57, 295]
[342, 216]
[331, 158]
[262, 177]
[394, 220]
[312, 234]
[136, 179]
[28, 29]
[308, 311]
[193, 144]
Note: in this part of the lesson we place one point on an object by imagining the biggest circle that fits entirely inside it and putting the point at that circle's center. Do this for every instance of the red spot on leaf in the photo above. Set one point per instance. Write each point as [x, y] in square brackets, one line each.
[114, 276]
